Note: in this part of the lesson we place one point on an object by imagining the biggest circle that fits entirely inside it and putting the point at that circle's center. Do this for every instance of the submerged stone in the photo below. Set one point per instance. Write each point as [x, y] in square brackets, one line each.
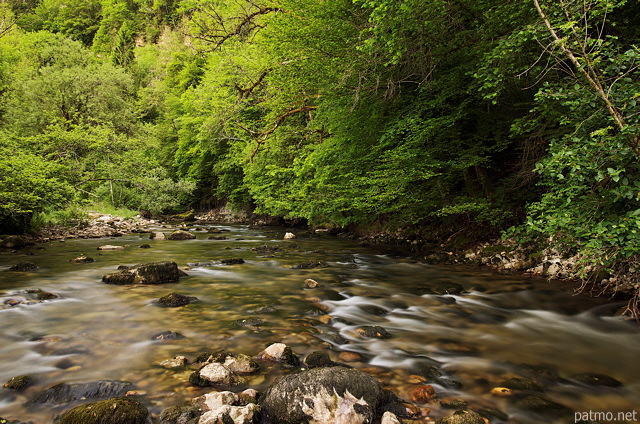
[373, 332]
[543, 406]
[232, 261]
[592, 379]
[522, 384]
[23, 267]
[167, 335]
[69, 392]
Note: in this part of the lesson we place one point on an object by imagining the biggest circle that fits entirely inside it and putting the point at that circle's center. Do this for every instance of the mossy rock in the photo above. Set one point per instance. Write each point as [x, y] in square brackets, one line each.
[173, 300]
[18, 383]
[462, 417]
[180, 415]
[121, 410]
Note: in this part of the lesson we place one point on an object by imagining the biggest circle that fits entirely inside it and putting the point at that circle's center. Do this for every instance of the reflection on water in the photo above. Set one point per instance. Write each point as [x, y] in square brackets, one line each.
[492, 328]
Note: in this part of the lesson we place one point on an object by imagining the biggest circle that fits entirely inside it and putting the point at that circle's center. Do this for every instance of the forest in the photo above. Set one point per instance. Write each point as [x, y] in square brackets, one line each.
[434, 117]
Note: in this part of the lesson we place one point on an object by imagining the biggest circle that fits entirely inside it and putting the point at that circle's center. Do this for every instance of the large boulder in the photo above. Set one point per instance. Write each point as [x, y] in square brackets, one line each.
[181, 235]
[150, 273]
[121, 410]
[328, 395]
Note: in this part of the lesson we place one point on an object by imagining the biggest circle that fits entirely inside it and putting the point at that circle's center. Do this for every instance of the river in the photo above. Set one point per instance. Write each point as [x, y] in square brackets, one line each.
[500, 327]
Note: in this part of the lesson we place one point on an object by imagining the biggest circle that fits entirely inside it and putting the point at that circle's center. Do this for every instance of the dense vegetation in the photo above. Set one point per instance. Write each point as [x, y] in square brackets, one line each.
[394, 114]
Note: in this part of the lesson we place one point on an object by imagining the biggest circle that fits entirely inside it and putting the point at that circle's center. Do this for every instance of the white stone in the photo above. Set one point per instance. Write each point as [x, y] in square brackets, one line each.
[289, 236]
[335, 409]
[214, 401]
[218, 374]
[390, 418]
[274, 352]
[238, 414]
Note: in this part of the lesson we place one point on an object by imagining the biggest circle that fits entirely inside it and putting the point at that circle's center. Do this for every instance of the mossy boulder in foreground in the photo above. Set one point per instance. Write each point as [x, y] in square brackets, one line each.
[121, 410]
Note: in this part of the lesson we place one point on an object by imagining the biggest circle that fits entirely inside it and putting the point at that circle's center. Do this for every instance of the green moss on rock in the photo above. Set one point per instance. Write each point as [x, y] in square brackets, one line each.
[18, 383]
[121, 410]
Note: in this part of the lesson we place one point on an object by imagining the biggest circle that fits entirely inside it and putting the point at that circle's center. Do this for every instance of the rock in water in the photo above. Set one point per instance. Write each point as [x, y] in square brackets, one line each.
[121, 410]
[327, 395]
[69, 392]
[23, 267]
[462, 417]
[279, 353]
[215, 374]
[173, 300]
[82, 260]
[181, 235]
[18, 383]
[150, 273]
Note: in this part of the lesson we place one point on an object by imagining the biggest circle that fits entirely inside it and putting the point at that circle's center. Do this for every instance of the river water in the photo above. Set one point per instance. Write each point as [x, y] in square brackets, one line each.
[499, 327]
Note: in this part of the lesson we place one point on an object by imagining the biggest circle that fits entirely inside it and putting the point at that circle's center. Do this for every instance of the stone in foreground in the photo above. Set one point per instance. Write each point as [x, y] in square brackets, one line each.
[328, 395]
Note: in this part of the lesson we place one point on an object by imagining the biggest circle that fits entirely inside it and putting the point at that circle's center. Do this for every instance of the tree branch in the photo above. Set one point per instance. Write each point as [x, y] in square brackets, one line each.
[590, 74]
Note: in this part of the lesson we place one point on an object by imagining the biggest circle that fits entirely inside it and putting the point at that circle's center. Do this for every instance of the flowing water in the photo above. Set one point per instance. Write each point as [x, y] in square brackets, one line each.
[499, 327]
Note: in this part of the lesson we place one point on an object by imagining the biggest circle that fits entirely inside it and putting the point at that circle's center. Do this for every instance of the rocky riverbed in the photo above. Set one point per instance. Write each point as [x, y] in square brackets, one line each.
[228, 384]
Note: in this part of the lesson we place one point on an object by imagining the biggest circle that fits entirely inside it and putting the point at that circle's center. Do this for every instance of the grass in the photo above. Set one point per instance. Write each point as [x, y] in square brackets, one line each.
[77, 214]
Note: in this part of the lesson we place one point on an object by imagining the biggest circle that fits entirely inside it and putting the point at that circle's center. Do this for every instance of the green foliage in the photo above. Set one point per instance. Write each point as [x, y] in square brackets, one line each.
[77, 19]
[69, 87]
[28, 183]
